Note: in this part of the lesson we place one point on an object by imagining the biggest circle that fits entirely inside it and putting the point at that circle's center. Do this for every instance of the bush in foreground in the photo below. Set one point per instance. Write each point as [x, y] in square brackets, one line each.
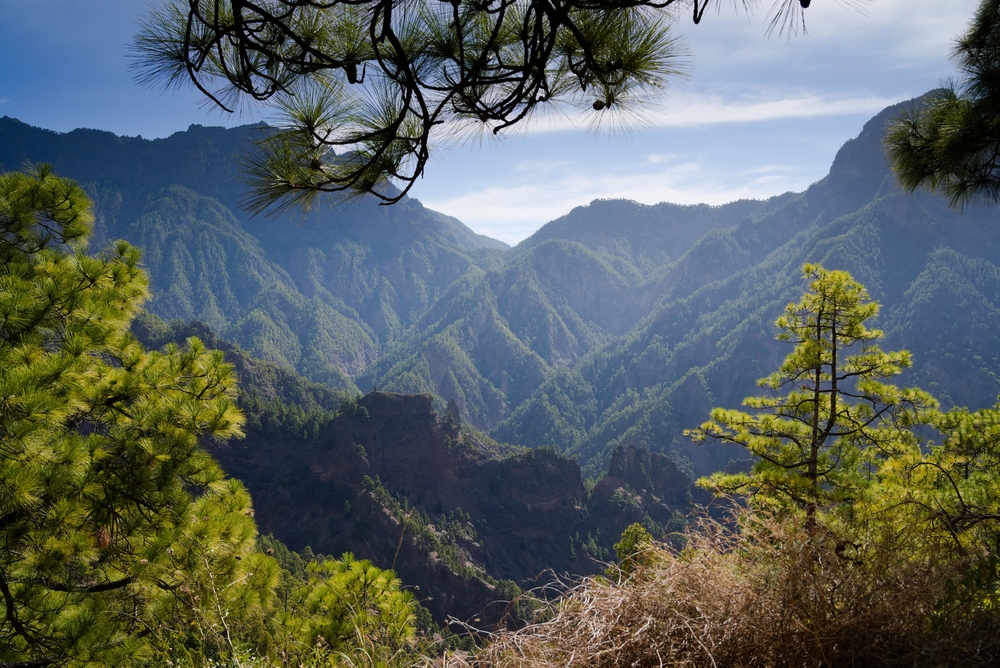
[773, 594]
[853, 545]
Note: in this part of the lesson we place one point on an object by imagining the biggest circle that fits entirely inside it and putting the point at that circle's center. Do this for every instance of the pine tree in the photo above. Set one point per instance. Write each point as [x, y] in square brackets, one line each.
[818, 444]
[121, 540]
[110, 511]
[362, 86]
[951, 142]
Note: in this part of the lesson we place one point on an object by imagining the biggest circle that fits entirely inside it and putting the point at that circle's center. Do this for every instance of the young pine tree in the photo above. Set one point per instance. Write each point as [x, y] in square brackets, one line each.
[830, 418]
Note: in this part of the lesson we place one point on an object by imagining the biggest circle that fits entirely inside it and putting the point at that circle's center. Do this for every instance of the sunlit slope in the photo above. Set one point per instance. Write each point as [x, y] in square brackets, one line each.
[711, 335]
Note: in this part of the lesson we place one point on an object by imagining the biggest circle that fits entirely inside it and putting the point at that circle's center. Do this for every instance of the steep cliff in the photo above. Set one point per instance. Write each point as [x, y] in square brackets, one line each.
[460, 517]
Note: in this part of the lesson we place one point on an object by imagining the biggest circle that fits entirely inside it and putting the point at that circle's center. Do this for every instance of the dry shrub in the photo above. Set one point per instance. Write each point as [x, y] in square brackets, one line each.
[770, 596]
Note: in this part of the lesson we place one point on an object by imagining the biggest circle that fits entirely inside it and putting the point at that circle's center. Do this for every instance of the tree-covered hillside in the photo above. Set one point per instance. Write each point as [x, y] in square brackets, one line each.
[617, 323]
[324, 292]
[710, 336]
[465, 520]
[526, 318]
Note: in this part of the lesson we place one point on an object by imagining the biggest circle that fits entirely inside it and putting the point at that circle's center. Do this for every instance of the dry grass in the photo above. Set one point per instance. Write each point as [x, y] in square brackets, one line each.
[769, 597]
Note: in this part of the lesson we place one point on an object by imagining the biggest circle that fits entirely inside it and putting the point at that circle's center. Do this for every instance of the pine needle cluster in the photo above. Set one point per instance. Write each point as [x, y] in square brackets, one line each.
[121, 540]
[363, 89]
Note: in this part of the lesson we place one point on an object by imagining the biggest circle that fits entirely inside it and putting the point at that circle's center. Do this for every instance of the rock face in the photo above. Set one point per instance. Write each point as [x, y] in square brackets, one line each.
[645, 487]
[458, 516]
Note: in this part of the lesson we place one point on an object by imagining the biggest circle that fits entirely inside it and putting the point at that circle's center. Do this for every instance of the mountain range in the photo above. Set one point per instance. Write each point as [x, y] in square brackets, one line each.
[462, 519]
[616, 324]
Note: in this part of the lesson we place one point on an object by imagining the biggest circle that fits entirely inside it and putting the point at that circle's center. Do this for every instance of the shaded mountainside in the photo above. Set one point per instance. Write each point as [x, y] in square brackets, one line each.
[625, 323]
[324, 293]
[618, 323]
[464, 520]
[459, 516]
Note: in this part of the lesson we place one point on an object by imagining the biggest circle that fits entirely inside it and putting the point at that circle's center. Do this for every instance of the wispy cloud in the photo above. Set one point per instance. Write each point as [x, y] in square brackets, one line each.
[4, 100]
[713, 110]
[913, 29]
[514, 210]
[891, 33]
[704, 110]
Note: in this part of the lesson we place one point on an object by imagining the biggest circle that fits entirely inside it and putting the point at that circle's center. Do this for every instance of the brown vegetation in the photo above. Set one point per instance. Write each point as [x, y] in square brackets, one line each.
[771, 595]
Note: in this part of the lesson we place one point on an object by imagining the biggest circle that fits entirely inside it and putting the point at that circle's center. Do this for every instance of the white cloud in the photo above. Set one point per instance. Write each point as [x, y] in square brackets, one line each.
[4, 100]
[703, 110]
[913, 32]
[513, 210]
[917, 28]
[689, 110]
[542, 166]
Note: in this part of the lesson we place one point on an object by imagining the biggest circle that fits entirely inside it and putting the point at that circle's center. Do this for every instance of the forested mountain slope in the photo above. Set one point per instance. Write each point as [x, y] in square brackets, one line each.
[462, 519]
[711, 335]
[616, 323]
[324, 292]
[579, 284]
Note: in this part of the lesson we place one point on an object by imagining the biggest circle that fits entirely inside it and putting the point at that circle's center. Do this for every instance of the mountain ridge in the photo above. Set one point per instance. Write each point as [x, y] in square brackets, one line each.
[617, 323]
[322, 297]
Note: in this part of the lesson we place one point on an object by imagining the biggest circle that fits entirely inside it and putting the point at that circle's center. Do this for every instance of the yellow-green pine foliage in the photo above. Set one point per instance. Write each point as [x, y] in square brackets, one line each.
[829, 419]
[634, 549]
[112, 516]
[346, 609]
[950, 496]
[121, 540]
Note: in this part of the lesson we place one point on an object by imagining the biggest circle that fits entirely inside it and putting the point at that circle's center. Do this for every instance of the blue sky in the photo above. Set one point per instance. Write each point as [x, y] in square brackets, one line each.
[756, 116]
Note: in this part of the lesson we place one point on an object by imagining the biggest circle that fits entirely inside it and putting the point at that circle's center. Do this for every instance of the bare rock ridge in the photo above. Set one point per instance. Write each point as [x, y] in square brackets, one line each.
[460, 517]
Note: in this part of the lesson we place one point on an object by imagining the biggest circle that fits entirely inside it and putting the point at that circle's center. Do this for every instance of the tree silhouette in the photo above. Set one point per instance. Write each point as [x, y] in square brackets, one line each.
[362, 86]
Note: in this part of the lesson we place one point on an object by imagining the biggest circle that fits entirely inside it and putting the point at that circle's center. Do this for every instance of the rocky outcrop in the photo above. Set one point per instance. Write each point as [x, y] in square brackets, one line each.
[458, 516]
[646, 487]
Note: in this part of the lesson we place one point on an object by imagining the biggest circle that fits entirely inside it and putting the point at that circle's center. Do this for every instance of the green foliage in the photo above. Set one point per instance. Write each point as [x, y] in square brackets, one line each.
[907, 523]
[817, 444]
[121, 541]
[205, 267]
[949, 142]
[948, 314]
[226, 589]
[275, 401]
[275, 417]
[561, 411]
[114, 519]
[352, 408]
[634, 549]
[349, 604]
[951, 493]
